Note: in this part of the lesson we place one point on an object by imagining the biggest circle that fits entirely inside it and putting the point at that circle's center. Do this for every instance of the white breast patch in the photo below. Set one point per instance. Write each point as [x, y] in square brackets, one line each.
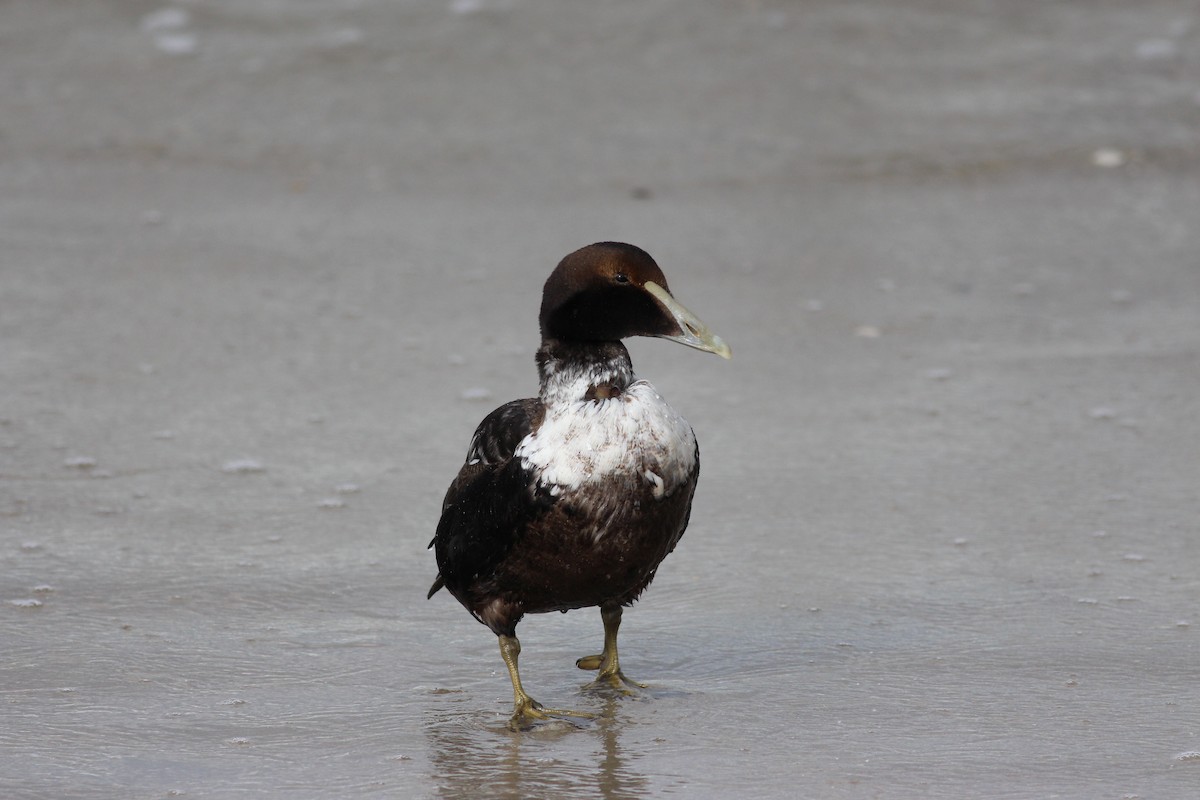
[633, 434]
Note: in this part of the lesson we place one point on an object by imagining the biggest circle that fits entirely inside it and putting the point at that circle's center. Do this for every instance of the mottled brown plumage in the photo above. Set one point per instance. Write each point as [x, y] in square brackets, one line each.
[573, 498]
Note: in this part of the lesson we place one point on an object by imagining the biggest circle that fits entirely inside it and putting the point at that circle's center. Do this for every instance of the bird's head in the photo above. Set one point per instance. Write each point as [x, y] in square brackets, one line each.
[610, 290]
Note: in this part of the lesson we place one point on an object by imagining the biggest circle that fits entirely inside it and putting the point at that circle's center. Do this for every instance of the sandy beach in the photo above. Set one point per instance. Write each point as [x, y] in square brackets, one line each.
[264, 265]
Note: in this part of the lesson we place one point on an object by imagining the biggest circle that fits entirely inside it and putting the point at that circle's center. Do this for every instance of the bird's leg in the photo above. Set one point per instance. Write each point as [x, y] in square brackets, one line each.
[607, 662]
[525, 708]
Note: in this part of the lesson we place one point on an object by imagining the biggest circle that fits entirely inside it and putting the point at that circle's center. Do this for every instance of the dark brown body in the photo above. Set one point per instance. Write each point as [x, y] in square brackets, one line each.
[574, 498]
[507, 546]
[569, 558]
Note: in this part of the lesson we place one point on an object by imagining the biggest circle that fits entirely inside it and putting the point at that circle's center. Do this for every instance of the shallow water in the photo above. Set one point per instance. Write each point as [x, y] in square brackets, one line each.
[266, 266]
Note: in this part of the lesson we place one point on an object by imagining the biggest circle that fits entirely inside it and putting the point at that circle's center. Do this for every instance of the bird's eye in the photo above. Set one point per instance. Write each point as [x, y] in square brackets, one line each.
[621, 277]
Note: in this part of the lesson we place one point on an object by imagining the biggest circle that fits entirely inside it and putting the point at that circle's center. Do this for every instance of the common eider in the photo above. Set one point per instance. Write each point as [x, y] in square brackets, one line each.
[573, 498]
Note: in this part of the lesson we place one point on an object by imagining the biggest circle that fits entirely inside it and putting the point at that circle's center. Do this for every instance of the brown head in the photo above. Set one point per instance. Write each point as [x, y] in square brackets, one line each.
[610, 290]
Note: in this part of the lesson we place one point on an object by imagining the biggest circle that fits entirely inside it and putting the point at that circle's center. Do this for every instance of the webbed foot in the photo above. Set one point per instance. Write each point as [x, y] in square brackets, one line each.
[526, 710]
[590, 662]
[608, 663]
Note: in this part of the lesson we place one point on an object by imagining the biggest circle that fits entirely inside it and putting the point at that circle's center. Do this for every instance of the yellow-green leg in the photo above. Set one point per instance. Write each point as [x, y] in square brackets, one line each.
[525, 708]
[607, 662]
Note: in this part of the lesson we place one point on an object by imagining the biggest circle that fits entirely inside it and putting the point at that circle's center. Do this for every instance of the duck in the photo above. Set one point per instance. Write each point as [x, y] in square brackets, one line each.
[573, 498]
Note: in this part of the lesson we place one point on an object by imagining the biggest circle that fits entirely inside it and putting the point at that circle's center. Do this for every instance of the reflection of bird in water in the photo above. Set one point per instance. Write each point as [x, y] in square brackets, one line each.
[464, 762]
[573, 498]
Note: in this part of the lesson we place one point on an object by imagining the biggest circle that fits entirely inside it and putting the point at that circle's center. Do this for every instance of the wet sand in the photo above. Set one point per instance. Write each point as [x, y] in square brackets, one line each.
[265, 266]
